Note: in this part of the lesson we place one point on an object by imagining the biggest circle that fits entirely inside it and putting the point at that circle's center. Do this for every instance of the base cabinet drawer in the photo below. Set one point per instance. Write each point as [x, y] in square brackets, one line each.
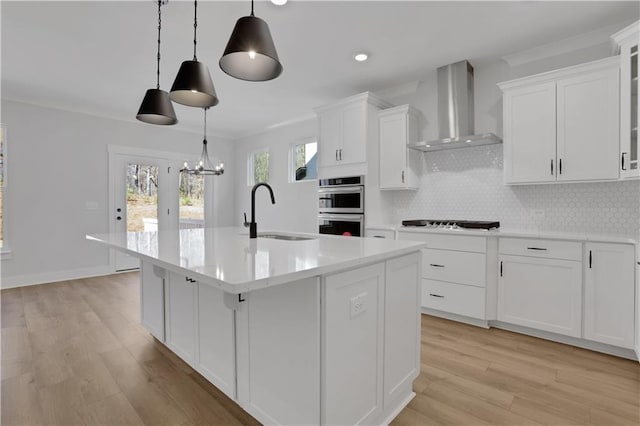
[458, 267]
[454, 298]
[549, 249]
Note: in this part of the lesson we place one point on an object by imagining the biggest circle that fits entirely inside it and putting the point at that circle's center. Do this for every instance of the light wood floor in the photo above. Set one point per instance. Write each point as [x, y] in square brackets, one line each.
[74, 353]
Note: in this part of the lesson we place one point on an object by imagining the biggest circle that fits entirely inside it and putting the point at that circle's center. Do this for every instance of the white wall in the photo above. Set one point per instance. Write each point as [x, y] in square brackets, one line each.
[296, 202]
[57, 161]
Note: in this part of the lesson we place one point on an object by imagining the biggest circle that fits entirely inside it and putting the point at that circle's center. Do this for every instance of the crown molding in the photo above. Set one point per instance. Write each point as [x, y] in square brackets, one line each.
[99, 114]
[592, 38]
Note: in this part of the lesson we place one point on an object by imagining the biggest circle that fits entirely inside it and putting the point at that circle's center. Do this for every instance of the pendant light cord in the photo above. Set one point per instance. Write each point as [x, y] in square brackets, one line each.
[158, 57]
[195, 27]
[251, 7]
[205, 125]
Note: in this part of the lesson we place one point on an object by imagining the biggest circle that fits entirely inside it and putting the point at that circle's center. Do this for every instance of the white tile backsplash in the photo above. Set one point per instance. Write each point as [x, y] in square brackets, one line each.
[468, 184]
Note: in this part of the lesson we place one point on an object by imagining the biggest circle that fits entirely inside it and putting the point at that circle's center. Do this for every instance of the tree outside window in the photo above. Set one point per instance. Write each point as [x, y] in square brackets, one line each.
[304, 161]
[259, 167]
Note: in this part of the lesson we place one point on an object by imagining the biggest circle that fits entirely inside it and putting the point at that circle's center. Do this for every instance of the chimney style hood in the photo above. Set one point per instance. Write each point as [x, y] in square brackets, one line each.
[456, 111]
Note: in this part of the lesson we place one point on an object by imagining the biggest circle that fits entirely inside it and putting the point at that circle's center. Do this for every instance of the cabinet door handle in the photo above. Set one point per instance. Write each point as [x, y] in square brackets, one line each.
[341, 154]
[336, 155]
[623, 167]
[552, 167]
[403, 176]
[590, 259]
[436, 295]
[436, 265]
[500, 268]
[560, 166]
[536, 248]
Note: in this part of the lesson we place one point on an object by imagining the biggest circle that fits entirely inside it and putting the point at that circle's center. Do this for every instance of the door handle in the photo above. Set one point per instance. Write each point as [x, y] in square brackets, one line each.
[336, 155]
[403, 176]
[436, 295]
[560, 166]
[623, 167]
[552, 167]
[590, 259]
[500, 268]
[340, 154]
[436, 265]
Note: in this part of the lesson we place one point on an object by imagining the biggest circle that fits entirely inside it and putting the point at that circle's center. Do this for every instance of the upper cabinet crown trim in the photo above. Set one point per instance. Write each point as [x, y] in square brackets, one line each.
[408, 109]
[627, 32]
[610, 62]
[367, 97]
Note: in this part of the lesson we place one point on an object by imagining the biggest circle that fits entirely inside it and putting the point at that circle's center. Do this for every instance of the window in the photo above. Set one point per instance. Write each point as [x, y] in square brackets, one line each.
[192, 194]
[259, 167]
[303, 161]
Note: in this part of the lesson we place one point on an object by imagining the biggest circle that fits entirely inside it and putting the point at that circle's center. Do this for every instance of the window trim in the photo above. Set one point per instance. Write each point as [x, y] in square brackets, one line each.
[292, 160]
[251, 165]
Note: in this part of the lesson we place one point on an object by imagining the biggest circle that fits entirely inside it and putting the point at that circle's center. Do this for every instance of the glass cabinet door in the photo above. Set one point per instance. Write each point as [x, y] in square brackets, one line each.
[629, 109]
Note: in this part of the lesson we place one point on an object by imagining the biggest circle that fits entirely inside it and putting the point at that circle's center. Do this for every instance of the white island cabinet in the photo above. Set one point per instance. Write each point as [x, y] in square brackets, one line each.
[322, 330]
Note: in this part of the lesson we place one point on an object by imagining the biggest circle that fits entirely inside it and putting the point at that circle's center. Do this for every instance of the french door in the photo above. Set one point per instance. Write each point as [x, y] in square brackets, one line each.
[142, 199]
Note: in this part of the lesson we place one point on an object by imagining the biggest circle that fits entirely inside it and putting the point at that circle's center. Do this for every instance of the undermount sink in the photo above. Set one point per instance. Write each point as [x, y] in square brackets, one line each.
[284, 237]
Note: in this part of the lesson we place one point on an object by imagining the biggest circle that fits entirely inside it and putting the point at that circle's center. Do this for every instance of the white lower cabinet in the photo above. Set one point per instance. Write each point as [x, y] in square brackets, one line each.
[152, 299]
[545, 294]
[609, 294]
[181, 305]
[216, 356]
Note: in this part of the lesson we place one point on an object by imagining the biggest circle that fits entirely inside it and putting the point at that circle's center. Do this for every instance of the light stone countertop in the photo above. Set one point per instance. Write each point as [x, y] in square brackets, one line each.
[226, 258]
[514, 233]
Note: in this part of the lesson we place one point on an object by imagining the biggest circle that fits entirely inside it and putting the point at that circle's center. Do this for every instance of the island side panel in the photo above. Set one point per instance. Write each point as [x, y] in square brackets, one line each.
[278, 353]
[353, 314]
[402, 324]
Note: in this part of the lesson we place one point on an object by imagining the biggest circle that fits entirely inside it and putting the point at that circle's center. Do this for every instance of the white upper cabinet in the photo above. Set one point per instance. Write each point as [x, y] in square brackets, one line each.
[588, 134]
[627, 40]
[398, 127]
[345, 129]
[609, 294]
[530, 134]
[562, 126]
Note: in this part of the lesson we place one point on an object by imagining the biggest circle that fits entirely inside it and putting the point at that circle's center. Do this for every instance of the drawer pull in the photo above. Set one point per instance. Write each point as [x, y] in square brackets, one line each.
[537, 248]
[436, 265]
[379, 236]
[436, 295]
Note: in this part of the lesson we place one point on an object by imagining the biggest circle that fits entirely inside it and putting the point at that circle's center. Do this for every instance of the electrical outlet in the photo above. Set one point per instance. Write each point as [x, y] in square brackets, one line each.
[358, 304]
[537, 214]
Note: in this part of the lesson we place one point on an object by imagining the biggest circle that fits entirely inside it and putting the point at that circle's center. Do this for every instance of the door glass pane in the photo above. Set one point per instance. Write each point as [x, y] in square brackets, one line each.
[142, 197]
[191, 201]
[634, 109]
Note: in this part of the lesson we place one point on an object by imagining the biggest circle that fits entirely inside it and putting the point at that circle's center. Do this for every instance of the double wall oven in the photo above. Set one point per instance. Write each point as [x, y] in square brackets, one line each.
[341, 206]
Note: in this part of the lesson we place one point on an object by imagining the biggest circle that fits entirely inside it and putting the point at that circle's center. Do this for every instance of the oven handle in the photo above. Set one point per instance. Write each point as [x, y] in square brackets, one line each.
[341, 190]
[345, 217]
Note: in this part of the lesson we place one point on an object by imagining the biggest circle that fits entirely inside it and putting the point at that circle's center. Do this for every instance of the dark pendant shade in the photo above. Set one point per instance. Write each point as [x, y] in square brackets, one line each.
[251, 34]
[156, 108]
[193, 86]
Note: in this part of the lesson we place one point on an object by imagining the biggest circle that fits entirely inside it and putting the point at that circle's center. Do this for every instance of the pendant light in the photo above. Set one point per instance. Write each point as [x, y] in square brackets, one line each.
[204, 166]
[156, 107]
[250, 54]
[193, 85]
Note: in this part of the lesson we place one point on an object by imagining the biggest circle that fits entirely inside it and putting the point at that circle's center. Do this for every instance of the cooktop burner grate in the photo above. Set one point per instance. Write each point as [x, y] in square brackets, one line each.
[453, 224]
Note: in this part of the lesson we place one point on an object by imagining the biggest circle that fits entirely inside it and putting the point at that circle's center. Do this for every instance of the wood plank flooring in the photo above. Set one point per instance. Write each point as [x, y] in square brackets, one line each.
[74, 353]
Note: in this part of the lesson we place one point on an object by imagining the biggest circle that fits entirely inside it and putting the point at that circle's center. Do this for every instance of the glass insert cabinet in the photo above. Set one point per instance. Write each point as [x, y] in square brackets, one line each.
[627, 41]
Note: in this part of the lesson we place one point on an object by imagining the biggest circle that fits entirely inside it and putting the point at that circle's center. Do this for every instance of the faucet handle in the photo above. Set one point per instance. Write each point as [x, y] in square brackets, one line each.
[246, 224]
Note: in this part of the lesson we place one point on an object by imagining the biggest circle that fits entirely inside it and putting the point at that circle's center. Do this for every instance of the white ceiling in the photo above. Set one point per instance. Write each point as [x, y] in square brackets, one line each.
[99, 57]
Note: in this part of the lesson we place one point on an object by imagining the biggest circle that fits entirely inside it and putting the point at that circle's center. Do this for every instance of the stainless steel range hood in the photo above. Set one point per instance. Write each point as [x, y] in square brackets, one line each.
[456, 111]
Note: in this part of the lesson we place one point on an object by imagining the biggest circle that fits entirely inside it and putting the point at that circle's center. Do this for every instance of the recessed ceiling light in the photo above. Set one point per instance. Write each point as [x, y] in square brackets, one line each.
[279, 2]
[361, 57]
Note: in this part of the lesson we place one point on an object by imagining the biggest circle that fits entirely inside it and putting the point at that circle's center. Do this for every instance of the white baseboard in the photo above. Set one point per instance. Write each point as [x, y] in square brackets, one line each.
[568, 340]
[455, 317]
[55, 276]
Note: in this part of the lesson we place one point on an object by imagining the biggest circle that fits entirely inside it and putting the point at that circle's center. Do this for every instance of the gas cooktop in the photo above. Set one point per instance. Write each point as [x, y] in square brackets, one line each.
[452, 224]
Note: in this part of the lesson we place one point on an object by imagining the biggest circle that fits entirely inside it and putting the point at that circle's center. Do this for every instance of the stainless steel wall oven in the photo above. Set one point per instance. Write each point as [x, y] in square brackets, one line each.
[341, 206]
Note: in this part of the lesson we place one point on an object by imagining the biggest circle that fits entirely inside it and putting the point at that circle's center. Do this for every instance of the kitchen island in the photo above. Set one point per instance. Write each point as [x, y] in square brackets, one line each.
[296, 328]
